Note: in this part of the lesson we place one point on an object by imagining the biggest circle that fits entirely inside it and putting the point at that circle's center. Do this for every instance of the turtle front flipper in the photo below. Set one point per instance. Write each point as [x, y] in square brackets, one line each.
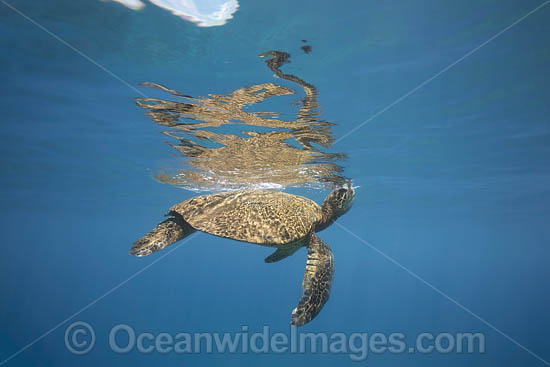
[166, 233]
[282, 252]
[317, 281]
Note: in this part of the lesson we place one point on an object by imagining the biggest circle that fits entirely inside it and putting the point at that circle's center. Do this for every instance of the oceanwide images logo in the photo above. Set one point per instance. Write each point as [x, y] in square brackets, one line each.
[80, 339]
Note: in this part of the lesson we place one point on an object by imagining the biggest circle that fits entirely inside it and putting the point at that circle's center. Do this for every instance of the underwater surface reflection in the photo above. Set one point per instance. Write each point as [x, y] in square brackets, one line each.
[289, 153]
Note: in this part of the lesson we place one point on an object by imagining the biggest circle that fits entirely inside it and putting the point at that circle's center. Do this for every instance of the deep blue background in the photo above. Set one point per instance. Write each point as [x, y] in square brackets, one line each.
[455, 178]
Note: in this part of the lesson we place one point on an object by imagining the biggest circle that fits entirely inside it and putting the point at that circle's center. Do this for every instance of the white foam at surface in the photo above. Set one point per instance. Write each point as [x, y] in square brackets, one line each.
[205, 13]
[132, 4]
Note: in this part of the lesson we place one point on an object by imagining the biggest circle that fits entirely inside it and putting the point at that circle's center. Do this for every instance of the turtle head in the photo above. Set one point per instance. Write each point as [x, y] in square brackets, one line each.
[337, 203]
[341, 199]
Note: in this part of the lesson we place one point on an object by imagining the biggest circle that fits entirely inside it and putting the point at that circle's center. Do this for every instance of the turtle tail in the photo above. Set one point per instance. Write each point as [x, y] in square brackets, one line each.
[165, 233]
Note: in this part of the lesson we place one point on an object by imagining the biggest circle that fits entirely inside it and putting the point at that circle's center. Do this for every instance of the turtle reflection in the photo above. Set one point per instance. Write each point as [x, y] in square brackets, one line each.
[290, 153]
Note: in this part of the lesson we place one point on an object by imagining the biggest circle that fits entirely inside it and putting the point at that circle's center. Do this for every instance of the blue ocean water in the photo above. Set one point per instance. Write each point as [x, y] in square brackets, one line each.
[452, 207]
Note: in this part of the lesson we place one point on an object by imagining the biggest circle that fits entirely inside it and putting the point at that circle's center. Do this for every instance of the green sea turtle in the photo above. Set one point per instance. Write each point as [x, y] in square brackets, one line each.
[267, 218]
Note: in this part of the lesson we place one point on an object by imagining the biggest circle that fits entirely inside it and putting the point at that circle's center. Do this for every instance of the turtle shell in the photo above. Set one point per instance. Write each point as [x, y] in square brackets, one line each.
[256, 216]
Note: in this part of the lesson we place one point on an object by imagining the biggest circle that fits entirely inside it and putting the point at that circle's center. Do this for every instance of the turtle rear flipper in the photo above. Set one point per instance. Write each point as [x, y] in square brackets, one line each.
[165, 233]
[317, 281]
[282, 253]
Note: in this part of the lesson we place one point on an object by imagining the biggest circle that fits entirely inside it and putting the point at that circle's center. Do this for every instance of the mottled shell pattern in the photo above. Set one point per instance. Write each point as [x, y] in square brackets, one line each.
[258, 216]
